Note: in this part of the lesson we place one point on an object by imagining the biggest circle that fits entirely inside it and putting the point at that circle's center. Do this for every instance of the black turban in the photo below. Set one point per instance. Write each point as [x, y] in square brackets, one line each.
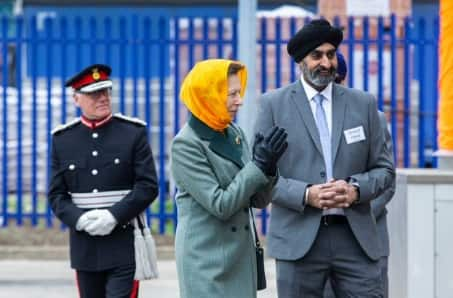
[311, 36]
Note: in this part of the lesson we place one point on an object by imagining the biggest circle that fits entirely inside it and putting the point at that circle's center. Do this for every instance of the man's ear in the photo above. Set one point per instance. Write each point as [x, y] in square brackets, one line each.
[76, 99]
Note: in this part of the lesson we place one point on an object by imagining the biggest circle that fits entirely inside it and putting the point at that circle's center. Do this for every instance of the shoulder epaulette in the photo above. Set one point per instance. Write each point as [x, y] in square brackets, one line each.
[65, 126]
[129, 119]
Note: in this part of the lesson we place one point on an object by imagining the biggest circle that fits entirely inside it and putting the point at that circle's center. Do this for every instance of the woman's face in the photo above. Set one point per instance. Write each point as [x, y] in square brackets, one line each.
[234, 100]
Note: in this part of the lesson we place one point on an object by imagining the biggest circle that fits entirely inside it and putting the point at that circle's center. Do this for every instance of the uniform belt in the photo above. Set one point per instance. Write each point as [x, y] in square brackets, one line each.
[333, 219]
[90, 200]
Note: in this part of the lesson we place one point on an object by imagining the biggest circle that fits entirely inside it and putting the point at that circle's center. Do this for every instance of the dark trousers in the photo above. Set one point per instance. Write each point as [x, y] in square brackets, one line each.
[383, 263]
[112, 283]
[336, 255]
[328, 291]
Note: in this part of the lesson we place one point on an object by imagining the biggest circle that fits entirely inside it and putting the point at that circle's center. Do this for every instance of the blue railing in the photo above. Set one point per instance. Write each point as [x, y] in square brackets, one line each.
[149, 57]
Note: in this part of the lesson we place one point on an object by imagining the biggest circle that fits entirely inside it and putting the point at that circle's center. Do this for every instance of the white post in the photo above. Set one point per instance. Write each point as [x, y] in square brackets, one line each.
[247, 55]
[18, 8]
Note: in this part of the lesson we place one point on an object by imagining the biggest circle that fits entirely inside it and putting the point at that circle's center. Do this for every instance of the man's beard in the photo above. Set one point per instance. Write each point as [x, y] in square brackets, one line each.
[314, 76]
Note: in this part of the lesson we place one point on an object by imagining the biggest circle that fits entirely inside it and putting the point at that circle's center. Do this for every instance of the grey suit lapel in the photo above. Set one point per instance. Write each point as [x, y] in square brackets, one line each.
[301, 102]
[338, 112]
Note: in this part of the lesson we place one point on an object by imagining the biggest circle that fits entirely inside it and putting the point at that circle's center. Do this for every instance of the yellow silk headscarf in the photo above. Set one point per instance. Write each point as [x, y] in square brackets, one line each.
[205, 90]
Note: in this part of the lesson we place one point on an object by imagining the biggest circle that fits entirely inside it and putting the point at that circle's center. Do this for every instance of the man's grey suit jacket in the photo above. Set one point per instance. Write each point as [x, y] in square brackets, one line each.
[294, 226]
[378, 205]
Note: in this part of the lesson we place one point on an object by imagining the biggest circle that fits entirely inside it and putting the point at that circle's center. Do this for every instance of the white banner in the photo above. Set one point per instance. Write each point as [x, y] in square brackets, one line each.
[368, 7]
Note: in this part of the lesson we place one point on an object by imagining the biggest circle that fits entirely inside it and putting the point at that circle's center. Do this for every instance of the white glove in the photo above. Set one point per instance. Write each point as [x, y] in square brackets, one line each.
[83, 221]
[102, 222]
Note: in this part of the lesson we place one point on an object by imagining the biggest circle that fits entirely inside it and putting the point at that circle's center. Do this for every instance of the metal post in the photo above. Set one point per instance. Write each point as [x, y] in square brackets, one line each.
[247, 55]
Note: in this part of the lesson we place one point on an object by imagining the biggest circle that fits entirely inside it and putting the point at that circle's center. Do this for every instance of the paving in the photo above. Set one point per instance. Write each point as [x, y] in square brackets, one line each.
[34, 263]
[21, 278]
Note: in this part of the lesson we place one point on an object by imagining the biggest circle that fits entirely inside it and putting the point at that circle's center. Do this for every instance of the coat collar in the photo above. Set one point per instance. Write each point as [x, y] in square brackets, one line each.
[227, 144]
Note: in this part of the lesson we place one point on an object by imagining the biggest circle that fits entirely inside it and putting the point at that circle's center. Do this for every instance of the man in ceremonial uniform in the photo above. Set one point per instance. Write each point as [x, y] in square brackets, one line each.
[103, 176]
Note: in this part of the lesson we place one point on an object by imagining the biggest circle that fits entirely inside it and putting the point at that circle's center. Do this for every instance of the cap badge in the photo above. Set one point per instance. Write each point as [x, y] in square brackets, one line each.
[96, 76]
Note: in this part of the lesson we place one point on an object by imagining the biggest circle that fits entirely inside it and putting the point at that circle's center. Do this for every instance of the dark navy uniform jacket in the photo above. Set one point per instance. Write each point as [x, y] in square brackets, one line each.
[107, 167]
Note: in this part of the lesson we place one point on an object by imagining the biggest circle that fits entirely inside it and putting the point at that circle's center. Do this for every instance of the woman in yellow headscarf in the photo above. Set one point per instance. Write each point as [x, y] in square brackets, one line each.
[218, 181]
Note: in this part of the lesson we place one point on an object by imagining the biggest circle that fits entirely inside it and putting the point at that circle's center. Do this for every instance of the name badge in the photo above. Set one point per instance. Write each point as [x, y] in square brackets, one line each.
[354, 135]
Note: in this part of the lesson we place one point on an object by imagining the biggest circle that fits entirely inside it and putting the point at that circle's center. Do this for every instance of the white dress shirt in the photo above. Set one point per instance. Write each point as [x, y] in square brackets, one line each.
[327, 105]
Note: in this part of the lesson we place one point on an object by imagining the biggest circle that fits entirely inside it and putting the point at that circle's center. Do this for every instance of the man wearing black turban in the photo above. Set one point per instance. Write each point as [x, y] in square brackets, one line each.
[337, 163]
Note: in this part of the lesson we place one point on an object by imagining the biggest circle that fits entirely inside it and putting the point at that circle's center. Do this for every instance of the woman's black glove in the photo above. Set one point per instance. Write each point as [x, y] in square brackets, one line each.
[268, 149]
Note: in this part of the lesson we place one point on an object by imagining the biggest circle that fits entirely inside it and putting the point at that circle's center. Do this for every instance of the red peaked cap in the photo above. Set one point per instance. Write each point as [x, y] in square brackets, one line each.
[92, 78]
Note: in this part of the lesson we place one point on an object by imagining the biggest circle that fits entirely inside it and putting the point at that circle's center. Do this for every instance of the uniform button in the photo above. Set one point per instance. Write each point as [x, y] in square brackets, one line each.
[94, 153]
[94, 172]
[116, 161]
[233, 229]
[322, 174]
[95, 135]
[95, 190]
[246, 227]
[71, 167]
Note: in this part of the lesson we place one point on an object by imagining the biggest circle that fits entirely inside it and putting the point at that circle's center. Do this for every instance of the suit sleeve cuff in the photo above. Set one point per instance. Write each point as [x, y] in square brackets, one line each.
[307, 191]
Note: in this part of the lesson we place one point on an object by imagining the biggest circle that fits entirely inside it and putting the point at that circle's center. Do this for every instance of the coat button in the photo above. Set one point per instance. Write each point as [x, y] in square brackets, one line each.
[233, 229]
[116, 161]
[94, 172]
[94, 153]
[322, 174]
[71, 167]
[95, 135]
[246, 210]
[246, 227]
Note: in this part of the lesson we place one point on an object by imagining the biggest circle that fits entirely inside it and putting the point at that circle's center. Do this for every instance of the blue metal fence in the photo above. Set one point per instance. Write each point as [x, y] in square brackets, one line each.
[150, 57]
